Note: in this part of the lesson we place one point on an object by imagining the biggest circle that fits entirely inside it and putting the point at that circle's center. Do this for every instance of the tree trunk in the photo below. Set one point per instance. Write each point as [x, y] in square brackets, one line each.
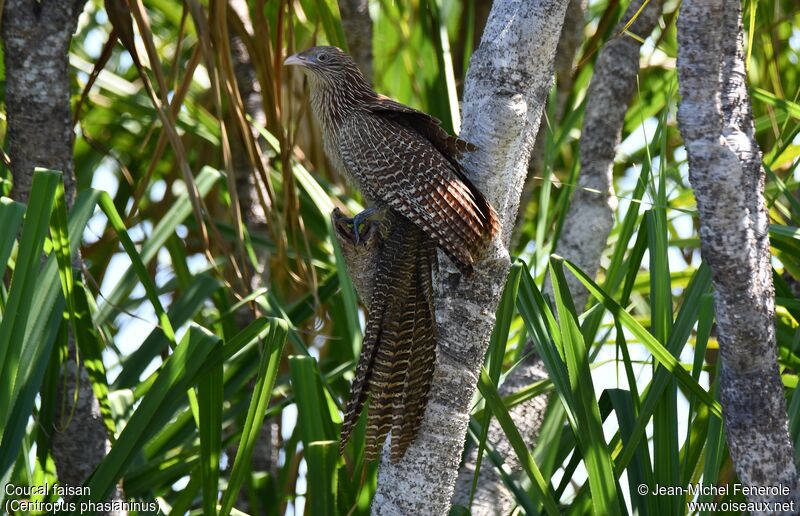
[504, 94]
[725, 171]
[590, 216]
[491, 494]
[357, 27]
[36, 35]
[568, 44]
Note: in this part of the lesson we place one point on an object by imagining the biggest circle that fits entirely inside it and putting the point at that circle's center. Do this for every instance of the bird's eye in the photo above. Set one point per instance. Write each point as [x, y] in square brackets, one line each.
[322, 57]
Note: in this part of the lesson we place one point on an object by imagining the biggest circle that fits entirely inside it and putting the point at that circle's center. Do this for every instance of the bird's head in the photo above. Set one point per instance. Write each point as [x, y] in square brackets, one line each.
[336, 84]
[323, 62]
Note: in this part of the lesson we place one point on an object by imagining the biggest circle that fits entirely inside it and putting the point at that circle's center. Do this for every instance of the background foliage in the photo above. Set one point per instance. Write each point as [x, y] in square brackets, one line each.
[196, 327]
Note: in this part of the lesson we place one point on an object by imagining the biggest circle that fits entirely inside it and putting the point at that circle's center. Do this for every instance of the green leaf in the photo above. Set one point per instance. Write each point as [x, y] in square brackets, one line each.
[495, 404]
[589, 429]
[91, 352]
[322, 457]
[496, 354]
[21, 293]
[107, 205]
[267, 372]
[639, 471]
[179, 211]
[11, 215]
[328, 11]
[318, 416]
[176, 375]
[541, 324]
[661, 354]
[665, 417]
[210, 398]
[762, 95]
[521, 496]
[40, 330]
[182, 310]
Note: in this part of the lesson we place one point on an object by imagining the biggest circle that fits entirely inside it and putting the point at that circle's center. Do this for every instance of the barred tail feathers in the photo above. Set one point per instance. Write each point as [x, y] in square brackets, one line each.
[399, 352]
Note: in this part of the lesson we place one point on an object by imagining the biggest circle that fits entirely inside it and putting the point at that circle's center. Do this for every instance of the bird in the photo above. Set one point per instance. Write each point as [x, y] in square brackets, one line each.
[408, 170]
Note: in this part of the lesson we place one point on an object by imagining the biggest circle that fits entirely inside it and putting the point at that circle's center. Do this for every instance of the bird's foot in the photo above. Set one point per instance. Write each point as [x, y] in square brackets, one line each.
[362, 218]
[351, 230]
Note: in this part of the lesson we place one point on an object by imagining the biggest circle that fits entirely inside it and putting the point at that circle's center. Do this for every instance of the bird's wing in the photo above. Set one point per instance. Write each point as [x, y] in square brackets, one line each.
[452, 147]
[397, 166]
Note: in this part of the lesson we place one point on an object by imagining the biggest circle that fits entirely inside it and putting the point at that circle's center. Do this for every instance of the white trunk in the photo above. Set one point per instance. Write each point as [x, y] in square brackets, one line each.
[571, 37]
[507, 85]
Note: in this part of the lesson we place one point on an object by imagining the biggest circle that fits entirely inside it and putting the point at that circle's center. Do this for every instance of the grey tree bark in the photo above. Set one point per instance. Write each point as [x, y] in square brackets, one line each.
[491, 495]
[588, 221]
[591, 212]
[571, 36]
[357, 27]
[504, 94]
[36, 35]
[725, 170]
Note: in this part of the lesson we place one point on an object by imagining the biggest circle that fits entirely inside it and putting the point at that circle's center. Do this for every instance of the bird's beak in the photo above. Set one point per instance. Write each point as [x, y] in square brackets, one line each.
[295, 59]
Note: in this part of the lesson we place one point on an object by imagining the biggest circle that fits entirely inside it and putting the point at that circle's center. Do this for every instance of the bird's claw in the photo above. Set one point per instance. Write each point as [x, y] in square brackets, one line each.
[350, 227]
[361, 218]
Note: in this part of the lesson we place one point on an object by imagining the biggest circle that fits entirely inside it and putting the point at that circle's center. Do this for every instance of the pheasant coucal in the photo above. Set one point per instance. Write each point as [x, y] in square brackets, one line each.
[407, 167]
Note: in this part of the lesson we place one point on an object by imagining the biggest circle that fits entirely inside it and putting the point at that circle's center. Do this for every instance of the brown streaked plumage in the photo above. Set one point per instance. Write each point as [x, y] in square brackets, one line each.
[405, 164]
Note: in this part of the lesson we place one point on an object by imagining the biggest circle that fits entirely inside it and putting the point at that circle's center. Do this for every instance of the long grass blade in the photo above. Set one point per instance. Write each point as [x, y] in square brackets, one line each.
[267, 372]
[540, 487]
